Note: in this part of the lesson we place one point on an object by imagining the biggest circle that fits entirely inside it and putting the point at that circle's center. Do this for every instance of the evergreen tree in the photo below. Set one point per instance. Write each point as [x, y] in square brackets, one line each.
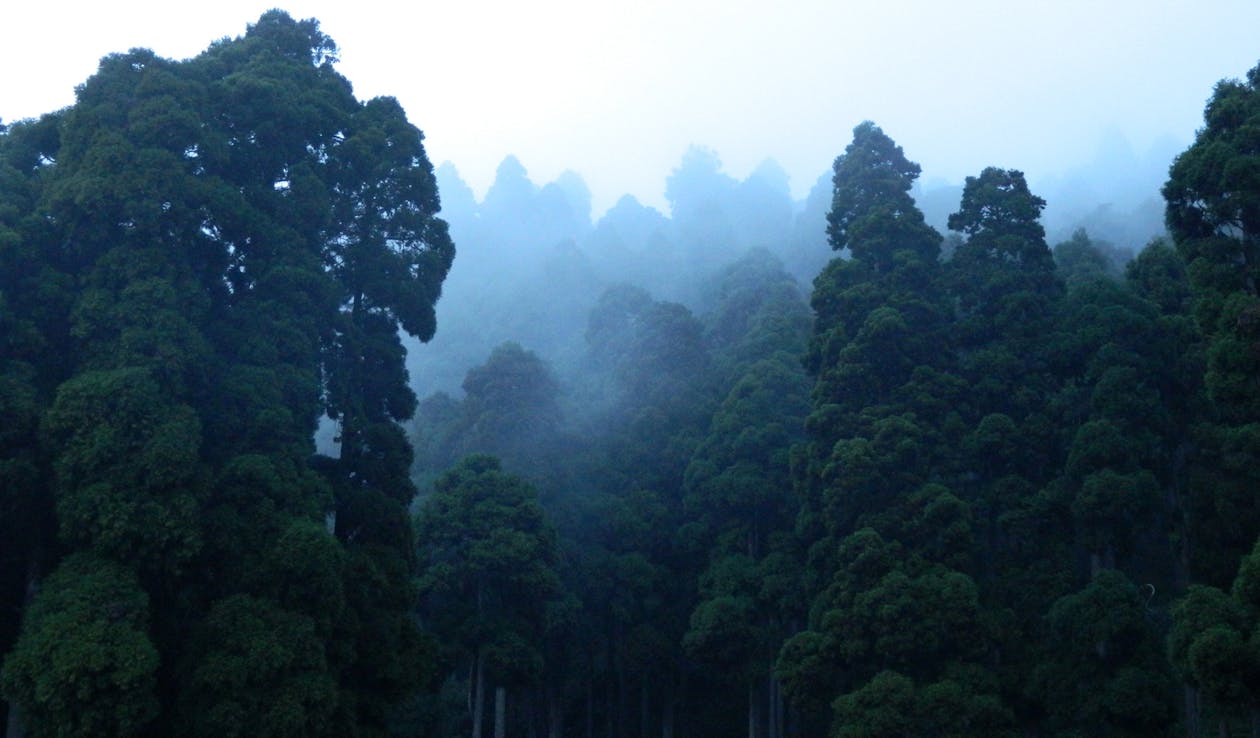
[1213, 214]
[245, 240]
[488, 570]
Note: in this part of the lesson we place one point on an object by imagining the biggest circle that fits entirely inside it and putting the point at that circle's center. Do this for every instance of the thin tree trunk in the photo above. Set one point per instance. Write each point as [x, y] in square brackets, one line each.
[500, 712]
[667, 717]
[610, 715]
[772, 707]
[1222, 727]
[14, 728]
[1190, 698]
[472, 682]
[754, 712]
[1255, 721]
[555, 716]
[590, 706]
[643, 706]
[752, 719]
[623, 700]
[780, 709]
[479, 698]
[532, 715]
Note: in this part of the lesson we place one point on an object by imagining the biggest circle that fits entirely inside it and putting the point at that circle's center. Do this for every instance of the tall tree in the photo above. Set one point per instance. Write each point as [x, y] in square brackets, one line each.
[488, 570]
[245, 240]
[1213, 213]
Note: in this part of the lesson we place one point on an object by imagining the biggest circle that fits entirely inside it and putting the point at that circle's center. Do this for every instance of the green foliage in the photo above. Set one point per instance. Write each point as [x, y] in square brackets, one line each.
[128, 482]
[510, 410]
[1213, 214]
[257, 669]
[1004, 273]
[1107, 675]
[1080, 260]
[872, 213]
[1212, 191]
[722, 633]
[1213, 643]
[1158, 274]
[487, 557]
[891, 705]
[210, 254]
[86, 664]
[201, 258]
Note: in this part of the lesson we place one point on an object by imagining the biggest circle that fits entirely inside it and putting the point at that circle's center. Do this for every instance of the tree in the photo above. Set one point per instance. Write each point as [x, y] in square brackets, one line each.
[1213, 645]
[1004, 272]
[510, 410]
[238, 241]
[488, 569]
[85, 664]
[1107, 675]
[1213, 194]
[1080, 259]
[1213, 214]
[872, 213]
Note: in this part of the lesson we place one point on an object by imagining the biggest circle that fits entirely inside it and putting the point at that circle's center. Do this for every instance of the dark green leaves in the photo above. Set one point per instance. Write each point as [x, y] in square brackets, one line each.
[85, 665]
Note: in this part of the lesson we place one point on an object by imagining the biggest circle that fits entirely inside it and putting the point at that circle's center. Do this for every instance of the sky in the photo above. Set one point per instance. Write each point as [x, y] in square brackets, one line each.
[617, 91]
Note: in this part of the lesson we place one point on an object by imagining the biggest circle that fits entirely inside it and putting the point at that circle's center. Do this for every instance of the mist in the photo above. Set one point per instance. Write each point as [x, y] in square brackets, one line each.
[534, 256]
[676, 370]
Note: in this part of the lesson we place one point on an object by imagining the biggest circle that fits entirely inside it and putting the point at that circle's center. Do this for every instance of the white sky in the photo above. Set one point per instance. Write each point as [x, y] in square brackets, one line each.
[617, 90]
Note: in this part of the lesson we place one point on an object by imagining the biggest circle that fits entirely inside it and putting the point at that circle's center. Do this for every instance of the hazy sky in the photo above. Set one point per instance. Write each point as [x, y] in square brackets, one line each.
[617, 91]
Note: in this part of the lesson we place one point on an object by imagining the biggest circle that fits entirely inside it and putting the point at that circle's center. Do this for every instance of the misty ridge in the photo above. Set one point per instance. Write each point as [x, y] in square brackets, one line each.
[533, 263]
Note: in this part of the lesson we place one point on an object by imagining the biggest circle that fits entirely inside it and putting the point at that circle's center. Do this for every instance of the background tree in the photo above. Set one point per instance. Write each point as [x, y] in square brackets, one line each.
[488, 560]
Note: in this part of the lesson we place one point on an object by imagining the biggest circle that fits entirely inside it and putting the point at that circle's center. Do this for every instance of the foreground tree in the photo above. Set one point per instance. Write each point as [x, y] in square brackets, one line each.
[1214, 216]
[246, 240]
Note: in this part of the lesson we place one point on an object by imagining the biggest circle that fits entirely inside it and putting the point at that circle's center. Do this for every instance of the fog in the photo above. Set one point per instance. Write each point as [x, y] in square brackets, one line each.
[586, 145]
[533, 260]
[722, 426]
[618, 93]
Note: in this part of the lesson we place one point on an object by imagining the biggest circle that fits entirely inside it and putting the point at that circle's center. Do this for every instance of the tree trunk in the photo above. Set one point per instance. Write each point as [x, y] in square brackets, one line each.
[667, 717]
[479, 696]
[472, 683]
[780, 709]
[532, 715]
[754, 712]
[1190, 699]
[1255, 721]
[752, 718]
[643, 706]
[773, 727]
[623, 703]
[610, 714]
[590, 706]
[14, 728]
[1222, 727]
[500, 712]
[555, 716]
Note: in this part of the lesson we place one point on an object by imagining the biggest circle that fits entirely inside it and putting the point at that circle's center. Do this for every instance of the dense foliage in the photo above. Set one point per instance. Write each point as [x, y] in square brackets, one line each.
[967, 485]
[200, 259]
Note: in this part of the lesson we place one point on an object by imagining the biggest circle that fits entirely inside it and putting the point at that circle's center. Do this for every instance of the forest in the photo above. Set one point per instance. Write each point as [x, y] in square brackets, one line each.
[300, 438]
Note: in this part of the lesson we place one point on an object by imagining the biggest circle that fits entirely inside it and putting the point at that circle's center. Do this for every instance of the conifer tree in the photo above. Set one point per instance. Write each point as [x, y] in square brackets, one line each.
[244, 239]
